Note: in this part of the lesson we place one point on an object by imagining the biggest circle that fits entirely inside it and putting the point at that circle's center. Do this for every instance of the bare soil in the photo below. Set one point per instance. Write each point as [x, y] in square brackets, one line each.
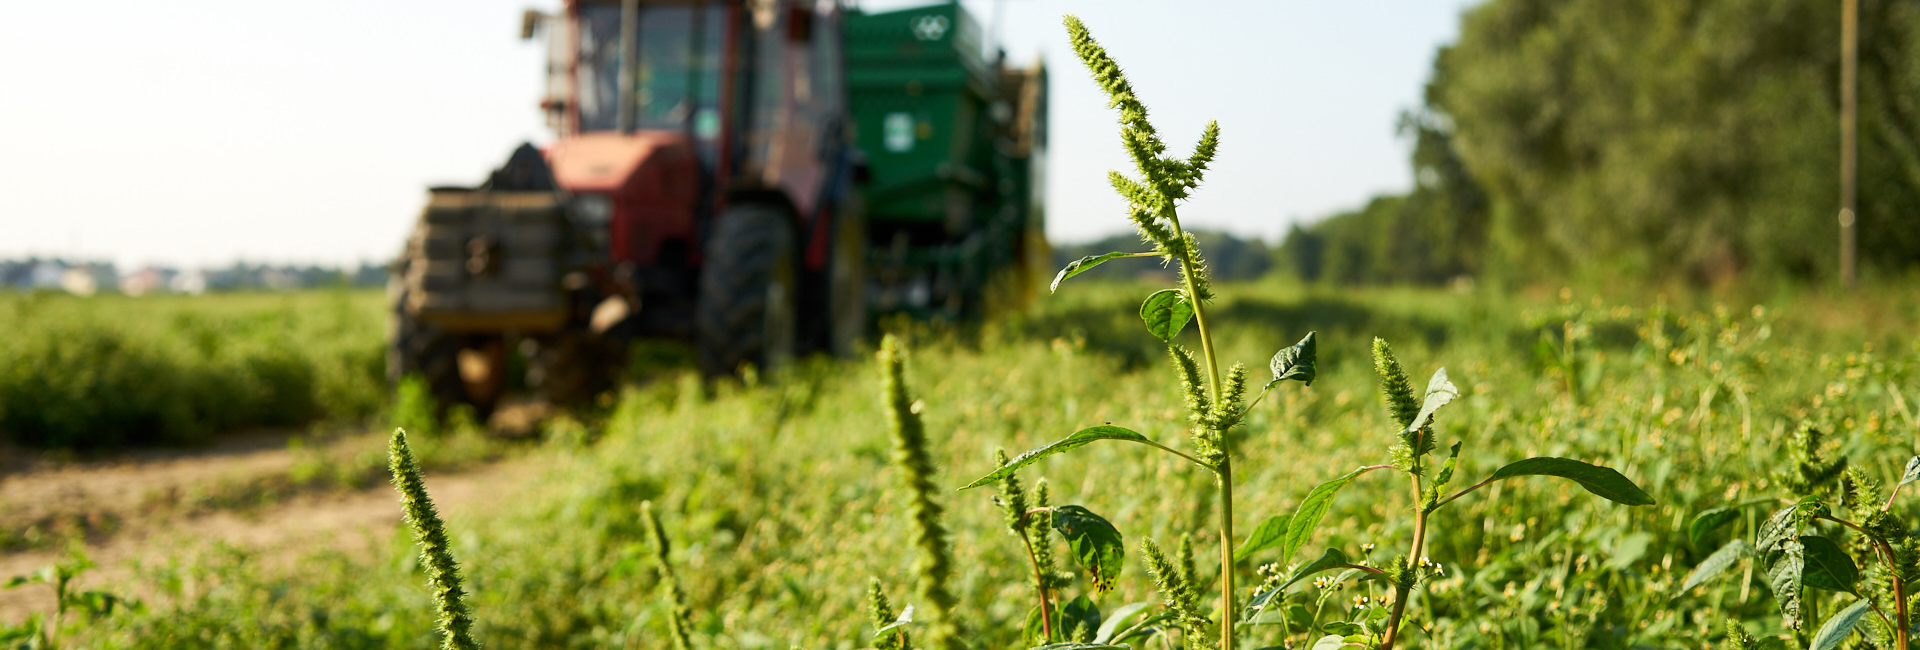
[127, 508]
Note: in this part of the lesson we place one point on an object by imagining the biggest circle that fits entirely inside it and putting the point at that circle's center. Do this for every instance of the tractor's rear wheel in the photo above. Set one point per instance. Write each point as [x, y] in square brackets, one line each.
[421, 349]
[747, 311]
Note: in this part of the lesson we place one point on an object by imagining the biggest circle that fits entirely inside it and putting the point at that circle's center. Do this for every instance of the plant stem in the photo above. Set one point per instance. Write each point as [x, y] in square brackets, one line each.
[1173, 451]
[1226, 552]
[1462, 493]
[1225, 470]
[1039, 585]
[1401, 591]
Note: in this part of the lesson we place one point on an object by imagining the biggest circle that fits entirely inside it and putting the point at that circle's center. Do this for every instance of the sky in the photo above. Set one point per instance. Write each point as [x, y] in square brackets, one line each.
[202, 132]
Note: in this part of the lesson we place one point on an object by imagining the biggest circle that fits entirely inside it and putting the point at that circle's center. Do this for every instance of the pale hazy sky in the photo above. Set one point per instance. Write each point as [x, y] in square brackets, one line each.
[199, 132]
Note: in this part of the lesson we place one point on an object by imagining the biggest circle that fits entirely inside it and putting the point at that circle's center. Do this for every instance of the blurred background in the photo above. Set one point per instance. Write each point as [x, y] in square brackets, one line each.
[236, 144]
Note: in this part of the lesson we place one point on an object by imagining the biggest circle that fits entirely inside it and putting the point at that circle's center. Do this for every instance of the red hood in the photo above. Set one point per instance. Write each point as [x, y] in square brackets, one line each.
[606, 161]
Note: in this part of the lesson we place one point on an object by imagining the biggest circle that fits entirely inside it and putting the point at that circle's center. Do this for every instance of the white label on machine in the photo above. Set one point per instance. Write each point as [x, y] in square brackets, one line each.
[897, 132]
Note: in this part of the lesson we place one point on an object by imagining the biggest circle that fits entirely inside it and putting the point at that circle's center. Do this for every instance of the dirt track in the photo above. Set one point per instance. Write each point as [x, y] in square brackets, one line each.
[124, 504]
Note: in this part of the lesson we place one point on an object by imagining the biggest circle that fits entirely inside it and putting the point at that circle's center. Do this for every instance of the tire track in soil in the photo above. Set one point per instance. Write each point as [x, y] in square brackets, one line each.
[356, 522]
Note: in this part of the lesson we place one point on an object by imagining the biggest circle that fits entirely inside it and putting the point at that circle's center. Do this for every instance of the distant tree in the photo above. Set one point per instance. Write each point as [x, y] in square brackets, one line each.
[1682, 139]
[1643, 138]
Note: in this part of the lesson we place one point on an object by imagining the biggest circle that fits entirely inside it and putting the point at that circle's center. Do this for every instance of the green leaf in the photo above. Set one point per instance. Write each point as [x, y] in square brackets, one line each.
[1081, 615]
[1330, 560]
[906, 616]
[1784, 578]
[1785, 523]
[1265, 536]
[1445, 476]
[1166, 312]
[1839, 626]
[1717, 563]
[1085, 264]
[1120, 617]
[1342, 628]
[1913, 471]
[1709, 521]
[1082, 646]
[1330, 642]
[1079, 439]
[1312, 509]
[1035, 632]
[1095, 542]
[1440, 392]
[1295, 362]
[1605, 482]
[1827, 566]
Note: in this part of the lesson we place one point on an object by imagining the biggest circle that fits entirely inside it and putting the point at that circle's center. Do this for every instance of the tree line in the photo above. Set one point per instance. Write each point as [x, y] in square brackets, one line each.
[1692, 141]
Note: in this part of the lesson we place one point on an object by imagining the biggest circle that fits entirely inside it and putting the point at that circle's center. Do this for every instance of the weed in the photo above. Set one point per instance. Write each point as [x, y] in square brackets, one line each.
[42, 631]
[443, 572]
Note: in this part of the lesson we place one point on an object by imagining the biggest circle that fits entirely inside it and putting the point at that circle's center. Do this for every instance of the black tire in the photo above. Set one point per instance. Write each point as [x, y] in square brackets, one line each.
[421, 349]
[747, 310]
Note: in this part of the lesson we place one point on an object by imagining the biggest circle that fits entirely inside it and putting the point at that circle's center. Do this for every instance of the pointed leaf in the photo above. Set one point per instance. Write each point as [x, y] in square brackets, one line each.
[1913, 471]
[1605, 482]
[1717, 563]
[1120, 616]
[1296, 362]
[1034, 634]
[1445, 476]
[1839, 626]
[1085, 264]
[1166, 312]
[1080, 615]
[1330, 642]
[1330, 560]
[1079, 439]
[1828, 566]
[1786, 523]
[906, 616]
[1709, 521]
[1265, 536]
[1095, 543]
[1440, 392]
[1312, 509]
[1784, 578]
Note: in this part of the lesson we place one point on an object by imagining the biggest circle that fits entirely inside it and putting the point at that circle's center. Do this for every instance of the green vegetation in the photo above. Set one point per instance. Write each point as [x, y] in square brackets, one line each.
[781, 501]
[786, 510]
[171, 370]
[1650, 139]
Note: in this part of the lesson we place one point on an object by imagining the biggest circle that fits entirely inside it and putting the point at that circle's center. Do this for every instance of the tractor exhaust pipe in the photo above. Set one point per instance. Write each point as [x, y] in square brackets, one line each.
[629, 63]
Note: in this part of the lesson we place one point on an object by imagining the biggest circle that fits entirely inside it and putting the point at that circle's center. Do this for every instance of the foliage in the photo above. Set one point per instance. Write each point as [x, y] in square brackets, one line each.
[42, 631]
[1648, 139]
[78, 373]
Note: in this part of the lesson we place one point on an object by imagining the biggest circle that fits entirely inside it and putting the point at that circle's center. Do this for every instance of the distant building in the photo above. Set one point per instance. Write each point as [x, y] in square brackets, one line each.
[152, 279]
[190, 282]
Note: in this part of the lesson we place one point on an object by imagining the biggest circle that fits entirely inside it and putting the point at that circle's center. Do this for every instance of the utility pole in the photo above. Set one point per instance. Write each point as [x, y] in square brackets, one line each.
[1849, 150]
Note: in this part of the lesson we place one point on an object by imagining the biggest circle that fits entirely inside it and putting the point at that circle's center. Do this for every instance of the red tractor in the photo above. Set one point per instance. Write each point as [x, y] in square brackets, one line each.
[701, 188]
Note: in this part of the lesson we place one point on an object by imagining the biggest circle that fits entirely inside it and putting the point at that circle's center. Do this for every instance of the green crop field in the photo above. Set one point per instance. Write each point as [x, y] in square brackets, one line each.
[781, 503]
[115, 370]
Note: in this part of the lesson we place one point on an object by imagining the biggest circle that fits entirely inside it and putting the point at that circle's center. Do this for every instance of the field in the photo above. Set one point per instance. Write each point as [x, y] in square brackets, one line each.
[781, 503]
[172, 370]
